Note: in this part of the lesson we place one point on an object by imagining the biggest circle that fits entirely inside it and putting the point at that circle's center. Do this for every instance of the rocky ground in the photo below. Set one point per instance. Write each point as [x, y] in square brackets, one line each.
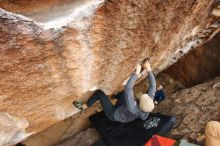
[192, 107]
[86, 138]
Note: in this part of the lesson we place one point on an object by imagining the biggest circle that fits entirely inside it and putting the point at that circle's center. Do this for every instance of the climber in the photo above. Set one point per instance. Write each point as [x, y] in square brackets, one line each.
[212, 132]
[159, 95]
[127, 108]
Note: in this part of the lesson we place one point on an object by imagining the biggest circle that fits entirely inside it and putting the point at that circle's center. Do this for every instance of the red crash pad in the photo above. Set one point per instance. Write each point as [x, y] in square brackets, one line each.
[157, 140]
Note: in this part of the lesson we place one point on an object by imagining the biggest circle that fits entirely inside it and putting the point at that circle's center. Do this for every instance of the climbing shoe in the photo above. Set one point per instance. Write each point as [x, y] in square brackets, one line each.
[78, 105]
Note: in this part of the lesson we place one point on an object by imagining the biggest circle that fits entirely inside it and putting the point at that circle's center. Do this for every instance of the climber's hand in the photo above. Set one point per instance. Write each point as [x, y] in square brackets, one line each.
[146, 65]
[138, 69]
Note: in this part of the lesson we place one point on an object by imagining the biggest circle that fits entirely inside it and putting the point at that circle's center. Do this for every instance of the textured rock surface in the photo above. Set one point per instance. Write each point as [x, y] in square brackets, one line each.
[85, 138]
[61, 49]
[12, 128]
[204, 64]
[62, 130]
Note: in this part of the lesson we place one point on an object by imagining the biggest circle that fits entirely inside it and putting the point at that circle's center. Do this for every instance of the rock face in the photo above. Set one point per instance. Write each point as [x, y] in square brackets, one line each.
[56, 51]
[204, 64]
[85, 138]
[64, 130]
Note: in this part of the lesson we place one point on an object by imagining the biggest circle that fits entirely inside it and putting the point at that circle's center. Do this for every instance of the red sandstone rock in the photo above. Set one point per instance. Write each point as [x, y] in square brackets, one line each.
[199, 65]
[58, 51]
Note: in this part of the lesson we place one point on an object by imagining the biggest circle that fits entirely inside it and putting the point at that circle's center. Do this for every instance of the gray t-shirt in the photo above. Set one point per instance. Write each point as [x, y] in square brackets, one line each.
[130, 111]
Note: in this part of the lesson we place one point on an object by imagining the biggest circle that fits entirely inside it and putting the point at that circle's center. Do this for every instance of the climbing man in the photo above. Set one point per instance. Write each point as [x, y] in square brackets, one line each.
[159, 95]
[127, 108]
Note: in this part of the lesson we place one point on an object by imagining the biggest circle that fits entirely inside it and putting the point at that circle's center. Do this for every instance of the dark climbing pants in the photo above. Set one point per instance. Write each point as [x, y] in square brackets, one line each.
[107, 106]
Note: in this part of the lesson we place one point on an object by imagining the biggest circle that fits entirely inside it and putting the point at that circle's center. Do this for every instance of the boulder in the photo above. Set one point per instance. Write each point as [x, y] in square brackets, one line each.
[55, 51]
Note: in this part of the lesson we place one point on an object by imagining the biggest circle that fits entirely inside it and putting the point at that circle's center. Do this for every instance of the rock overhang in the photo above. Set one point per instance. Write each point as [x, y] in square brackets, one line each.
[54, 52]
